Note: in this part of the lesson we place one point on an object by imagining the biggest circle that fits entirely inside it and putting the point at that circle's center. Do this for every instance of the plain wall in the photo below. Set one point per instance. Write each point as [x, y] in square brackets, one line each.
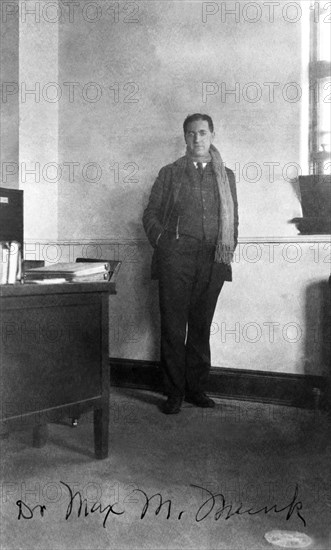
[9, 101]
[39, 121]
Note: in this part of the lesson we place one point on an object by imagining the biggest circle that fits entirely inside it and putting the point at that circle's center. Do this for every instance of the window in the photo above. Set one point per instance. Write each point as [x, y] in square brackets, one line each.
[320, 88]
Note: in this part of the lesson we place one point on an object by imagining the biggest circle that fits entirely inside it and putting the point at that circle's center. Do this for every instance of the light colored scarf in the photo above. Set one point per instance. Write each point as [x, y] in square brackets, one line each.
[225, 241]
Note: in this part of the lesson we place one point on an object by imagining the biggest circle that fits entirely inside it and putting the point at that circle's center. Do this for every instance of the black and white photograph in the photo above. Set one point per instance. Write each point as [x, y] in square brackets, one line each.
[165, 309]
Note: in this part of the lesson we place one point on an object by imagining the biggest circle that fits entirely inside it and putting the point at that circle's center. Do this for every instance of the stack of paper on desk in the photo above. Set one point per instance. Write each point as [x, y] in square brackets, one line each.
[70, 272]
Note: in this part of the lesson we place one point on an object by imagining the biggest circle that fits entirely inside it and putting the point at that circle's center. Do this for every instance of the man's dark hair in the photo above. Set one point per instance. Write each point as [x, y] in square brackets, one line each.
[198, 116]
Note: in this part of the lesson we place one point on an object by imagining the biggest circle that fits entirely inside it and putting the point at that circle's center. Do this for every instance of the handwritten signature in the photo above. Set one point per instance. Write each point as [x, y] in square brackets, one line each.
[215, 506]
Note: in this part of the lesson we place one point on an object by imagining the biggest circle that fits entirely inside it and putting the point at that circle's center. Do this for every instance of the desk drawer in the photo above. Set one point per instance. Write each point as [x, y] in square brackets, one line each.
[50, 356]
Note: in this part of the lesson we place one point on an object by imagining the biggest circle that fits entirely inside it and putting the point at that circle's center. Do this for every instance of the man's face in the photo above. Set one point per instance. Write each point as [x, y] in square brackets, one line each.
[198, 138]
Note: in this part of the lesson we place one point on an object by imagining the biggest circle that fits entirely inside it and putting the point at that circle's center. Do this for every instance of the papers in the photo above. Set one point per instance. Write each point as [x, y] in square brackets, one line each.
[47, 281]
[10, 262]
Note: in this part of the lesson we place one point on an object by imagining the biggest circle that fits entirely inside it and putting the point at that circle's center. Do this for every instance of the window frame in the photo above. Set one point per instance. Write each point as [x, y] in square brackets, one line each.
[318, 70]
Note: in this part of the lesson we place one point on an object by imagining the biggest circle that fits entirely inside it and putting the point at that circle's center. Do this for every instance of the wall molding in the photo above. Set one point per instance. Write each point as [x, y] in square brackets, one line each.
[143, 241]
[303, 391]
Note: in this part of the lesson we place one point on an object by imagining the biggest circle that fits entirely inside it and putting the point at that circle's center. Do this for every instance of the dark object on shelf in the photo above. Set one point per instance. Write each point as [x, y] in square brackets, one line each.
[316, 205]
[316, 226]
[11, 215]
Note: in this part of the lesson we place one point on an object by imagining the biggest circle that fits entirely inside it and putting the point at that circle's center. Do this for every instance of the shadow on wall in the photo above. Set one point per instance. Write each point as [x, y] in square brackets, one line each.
[317, 337]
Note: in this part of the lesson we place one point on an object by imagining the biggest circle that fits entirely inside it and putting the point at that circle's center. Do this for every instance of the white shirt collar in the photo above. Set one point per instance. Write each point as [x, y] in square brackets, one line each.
[204, 164]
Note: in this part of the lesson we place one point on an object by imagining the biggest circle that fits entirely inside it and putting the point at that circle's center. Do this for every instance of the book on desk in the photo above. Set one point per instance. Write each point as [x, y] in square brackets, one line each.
[11, 235]
[83, 270]
[10, 262]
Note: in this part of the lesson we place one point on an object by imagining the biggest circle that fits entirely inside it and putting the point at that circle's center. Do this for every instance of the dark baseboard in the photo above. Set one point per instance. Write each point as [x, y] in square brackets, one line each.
[304, 391]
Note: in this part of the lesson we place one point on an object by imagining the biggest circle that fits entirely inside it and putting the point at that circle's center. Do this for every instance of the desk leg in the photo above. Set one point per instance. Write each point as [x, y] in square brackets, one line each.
[101, 426]
[40, 434]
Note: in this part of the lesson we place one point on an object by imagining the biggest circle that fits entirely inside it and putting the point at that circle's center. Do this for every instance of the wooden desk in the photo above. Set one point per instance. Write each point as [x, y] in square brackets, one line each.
[54, 355]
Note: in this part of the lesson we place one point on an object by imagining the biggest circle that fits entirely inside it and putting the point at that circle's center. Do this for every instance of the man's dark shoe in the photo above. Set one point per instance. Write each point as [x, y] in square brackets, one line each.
[172, 405]
[200, 400]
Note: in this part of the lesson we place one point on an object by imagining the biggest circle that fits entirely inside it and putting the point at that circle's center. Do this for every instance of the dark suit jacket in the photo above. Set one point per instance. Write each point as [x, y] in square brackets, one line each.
[162, 198]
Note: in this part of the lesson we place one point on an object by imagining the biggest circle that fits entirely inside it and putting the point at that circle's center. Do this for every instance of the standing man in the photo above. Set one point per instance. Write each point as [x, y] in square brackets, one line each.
[192, 222]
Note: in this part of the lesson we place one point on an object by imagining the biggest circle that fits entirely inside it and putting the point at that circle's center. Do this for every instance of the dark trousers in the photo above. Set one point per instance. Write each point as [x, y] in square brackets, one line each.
[189, 286]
